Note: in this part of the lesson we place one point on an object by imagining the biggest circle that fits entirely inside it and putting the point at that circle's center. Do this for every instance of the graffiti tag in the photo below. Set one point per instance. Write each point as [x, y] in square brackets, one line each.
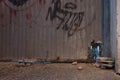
[69, 21]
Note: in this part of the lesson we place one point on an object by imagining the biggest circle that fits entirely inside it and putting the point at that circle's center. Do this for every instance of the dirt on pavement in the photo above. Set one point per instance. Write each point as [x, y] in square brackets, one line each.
[57, 71]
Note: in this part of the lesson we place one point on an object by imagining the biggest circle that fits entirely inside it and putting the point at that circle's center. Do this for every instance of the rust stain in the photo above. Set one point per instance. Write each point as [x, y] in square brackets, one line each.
[42, 2]
[81, 0]
[75, 0]
[0, 1]
[1, 15]
[12, 13]
[5, 60]
[28, 16]
[58, 60]
[30, 26]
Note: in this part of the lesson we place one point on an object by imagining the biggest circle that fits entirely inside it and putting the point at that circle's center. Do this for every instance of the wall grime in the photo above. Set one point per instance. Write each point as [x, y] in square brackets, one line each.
[48, 29]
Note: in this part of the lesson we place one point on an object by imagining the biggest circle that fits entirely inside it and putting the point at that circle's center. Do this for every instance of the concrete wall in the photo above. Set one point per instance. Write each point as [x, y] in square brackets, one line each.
[49, 28]
[115, 33]
[106, 27]
[113, 27]
[118, 37]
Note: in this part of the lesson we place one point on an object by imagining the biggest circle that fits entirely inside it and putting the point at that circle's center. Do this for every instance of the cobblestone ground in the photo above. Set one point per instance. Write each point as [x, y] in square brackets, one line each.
[14, 71]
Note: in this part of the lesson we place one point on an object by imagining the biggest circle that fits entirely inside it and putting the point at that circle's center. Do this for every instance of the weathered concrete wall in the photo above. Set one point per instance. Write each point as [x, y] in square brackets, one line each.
[49, 28]
[106, 27]
[113, 31]
[118, 37]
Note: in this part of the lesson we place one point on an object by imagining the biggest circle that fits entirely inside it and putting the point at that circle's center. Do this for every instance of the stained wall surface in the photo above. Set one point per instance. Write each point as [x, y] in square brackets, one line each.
[48, 28]
[118, 38]
[106, 23]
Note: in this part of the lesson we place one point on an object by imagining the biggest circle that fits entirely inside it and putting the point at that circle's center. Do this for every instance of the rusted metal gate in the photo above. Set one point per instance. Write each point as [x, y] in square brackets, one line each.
[48, 29]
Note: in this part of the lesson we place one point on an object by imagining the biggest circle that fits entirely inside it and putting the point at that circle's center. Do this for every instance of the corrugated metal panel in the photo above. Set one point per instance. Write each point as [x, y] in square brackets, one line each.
[28, 32]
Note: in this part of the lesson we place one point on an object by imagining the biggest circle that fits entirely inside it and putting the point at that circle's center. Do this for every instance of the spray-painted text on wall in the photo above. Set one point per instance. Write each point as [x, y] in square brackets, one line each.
[69, 21]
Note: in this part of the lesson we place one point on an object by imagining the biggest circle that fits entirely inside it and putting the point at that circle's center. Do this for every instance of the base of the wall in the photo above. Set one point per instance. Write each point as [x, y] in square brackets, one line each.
[118, 72]
[52, 60]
